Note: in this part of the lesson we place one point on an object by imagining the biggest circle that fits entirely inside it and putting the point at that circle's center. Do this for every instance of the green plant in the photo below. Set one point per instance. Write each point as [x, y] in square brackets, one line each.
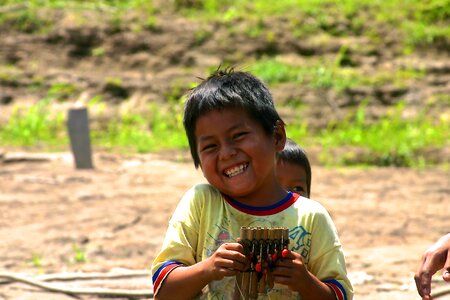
[272, 71]
[36, 260]
[79, 254]
[114, 86]
[298, 131]
[98, 52]
[62, 91]
[392, 140]
[34, 126]
[157, 129]
[202, 36]
[26, 20]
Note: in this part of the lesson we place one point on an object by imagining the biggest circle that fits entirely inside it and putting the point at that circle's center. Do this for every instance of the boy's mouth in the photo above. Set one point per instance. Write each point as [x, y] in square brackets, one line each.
[236, 170]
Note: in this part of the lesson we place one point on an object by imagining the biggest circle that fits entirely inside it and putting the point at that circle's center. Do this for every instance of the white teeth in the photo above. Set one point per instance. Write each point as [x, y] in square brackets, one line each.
[236, 170]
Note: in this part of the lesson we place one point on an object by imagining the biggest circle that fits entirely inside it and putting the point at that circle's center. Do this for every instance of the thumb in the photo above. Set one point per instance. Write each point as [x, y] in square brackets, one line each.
[446, 269]
[446, 275]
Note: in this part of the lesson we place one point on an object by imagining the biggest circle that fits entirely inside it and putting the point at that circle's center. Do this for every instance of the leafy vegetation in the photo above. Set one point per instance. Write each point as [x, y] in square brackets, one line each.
[420, 23]
[36, 260]
[155, 131]
[79, 254]
[34, 126]
[327, 74]
[392, 140]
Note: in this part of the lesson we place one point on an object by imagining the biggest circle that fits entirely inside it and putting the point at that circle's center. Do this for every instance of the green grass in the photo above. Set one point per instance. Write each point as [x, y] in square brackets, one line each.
[390, 141]
[36, 260]
[34, 126]
[155, 131]
[417, 23]
[327, 74]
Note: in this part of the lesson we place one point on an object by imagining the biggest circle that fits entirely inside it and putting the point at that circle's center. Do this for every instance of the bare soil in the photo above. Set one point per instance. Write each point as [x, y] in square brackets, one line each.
[117, 213]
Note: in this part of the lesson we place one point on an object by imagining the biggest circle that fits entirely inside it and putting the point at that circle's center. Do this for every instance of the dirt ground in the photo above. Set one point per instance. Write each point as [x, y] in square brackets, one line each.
[54, 218]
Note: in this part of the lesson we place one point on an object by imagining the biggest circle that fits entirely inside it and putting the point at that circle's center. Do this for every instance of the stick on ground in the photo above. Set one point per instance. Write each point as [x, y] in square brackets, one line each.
[57, 288]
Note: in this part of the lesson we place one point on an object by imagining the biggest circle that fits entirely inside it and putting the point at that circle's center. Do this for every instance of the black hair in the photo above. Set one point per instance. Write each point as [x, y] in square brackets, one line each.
[295, 154]
[227, 88]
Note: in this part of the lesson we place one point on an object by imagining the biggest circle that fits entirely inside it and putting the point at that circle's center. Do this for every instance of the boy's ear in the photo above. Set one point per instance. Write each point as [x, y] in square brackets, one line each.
[280, 135]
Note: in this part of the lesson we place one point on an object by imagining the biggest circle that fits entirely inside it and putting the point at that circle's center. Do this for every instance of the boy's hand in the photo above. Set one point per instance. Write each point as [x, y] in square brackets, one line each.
[435, 258]
[228, 260]
[290, 270]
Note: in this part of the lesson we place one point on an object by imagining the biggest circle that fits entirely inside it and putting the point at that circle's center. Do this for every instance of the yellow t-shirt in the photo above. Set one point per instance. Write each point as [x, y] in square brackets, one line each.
[205, 219]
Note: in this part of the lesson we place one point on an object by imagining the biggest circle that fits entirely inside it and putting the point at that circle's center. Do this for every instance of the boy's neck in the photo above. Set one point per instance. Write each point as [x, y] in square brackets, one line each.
[262, 199]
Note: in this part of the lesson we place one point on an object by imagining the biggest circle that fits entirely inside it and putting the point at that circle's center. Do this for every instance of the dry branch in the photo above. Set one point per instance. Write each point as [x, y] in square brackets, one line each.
[440, 293]
[84, 276]
[78, 291]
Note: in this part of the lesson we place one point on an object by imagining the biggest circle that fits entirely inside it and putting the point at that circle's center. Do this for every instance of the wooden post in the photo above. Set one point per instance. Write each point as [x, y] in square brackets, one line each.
[78, 127]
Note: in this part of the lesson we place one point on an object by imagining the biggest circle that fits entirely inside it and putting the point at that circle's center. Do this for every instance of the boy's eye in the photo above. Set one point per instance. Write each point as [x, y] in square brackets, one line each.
[239, 134]
[298, 189]
[207, 147]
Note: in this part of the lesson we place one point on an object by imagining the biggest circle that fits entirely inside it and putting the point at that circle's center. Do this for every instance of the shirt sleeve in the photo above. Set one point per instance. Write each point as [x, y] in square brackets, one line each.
[180, 243]
[327, 258]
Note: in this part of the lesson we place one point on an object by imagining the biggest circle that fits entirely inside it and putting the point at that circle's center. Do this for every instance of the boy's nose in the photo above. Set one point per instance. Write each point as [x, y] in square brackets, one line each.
[227, 151]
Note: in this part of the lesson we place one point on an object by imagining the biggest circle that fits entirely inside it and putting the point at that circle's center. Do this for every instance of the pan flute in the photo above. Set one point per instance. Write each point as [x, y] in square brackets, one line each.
[262, 246]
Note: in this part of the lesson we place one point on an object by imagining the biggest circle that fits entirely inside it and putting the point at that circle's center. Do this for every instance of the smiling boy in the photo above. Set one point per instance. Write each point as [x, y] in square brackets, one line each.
[234, 133]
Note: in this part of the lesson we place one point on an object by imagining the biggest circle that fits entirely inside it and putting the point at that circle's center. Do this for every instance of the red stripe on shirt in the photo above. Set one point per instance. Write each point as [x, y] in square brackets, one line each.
[271, 210]
[337, 291]
[162, 275]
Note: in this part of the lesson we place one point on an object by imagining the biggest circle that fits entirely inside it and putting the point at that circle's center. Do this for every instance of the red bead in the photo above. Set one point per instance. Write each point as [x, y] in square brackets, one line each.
[285, 253]
[274, 257]
[258, 267]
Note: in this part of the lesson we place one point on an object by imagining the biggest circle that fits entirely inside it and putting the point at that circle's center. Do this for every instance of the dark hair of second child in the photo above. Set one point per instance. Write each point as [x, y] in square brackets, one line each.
[294, 154]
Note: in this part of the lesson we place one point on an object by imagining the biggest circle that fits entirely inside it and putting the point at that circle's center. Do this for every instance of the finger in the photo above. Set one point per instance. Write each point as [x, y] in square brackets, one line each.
[231, 251]
[281, 265]
[239, 266]
[228, 272]
[429, 267]
[424, 283]
[290, 260]
[446, 275]
[285, 280]
[418, 277]
[231, 264]
[418, 285]
[238, 258]
[282, 271]
[446, 270]
[234, 246]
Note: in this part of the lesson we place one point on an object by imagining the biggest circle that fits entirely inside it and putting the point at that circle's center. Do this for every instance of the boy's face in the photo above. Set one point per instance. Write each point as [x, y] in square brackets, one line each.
[292, 177]
[237, 156]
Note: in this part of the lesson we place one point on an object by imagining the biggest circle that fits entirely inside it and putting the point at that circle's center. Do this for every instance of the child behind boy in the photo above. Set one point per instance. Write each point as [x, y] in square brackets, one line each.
[294, 169]
[234, 133]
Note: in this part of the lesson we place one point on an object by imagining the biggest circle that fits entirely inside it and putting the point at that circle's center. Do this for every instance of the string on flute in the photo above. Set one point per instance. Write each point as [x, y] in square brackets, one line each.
[263, 247]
